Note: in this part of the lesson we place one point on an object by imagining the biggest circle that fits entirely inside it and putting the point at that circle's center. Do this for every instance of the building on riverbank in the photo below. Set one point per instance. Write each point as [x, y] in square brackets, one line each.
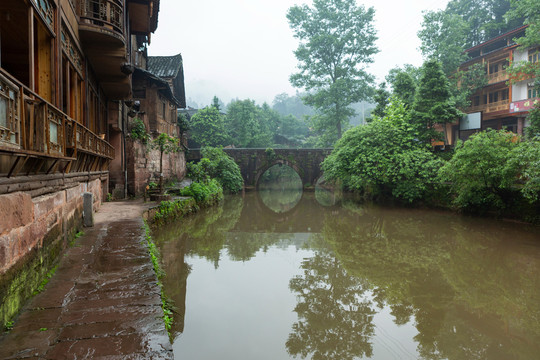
[158, 91]
[66, 70]
[498, 104]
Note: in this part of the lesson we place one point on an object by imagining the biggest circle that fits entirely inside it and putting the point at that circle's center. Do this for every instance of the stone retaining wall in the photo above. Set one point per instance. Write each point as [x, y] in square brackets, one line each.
[36, 224]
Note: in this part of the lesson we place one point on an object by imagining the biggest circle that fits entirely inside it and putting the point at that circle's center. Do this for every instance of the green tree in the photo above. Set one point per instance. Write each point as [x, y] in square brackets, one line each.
[381, 99]
[291, 105]
[245, 126]
[183, 125]
[217, 103]
[480, 172]
[527, 158]
[443, 37]
[433, 103]
[382, 159]
[404, 87]
[208, 127]
[337, 38]
[165, 144]
[215, 163]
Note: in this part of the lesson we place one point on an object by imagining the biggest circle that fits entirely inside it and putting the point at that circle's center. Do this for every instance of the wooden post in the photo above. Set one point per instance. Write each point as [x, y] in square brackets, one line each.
[31, 49]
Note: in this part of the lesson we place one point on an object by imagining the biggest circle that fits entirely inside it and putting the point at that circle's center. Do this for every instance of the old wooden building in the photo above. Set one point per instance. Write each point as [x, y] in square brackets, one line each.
[65, 70]
[498, 104]
[158, 92]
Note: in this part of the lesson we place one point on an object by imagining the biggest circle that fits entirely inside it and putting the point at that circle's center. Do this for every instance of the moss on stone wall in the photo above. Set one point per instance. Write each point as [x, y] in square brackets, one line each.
[23, 280]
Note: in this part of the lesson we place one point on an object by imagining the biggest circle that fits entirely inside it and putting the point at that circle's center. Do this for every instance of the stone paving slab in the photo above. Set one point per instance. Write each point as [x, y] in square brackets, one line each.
[102, 303]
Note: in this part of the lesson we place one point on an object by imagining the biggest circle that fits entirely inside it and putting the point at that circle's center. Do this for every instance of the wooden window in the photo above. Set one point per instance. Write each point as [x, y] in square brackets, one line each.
[504, 94]
[43, 60]
[534, 55]
[532, 92]
[493, 97]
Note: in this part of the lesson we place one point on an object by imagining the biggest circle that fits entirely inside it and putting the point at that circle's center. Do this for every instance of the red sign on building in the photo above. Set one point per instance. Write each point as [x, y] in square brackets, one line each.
[523, 105]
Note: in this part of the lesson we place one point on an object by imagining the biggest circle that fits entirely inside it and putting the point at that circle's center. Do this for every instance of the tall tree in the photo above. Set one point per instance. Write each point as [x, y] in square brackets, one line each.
[208, 128]
[218, 104]
[337, 38]
[443, 37]
[404, 87]
[244, 125]
[382, 99]
[433, 103]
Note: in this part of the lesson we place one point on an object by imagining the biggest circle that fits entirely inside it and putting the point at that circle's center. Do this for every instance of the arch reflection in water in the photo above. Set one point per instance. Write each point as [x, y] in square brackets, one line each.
[325, 193]
[280, 188]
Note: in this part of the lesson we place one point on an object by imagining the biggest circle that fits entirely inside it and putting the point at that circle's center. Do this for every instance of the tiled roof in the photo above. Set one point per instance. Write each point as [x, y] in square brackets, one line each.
[165, 66]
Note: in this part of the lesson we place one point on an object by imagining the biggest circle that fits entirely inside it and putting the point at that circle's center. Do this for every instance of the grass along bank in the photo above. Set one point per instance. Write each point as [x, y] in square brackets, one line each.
[196, 196]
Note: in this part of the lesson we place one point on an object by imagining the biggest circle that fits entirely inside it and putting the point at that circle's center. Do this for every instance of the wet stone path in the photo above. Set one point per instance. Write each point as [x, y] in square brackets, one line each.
[103, 301]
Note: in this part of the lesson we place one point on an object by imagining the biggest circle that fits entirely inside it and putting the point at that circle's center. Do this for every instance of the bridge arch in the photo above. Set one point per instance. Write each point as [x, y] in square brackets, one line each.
[275, 162]
[254, 162]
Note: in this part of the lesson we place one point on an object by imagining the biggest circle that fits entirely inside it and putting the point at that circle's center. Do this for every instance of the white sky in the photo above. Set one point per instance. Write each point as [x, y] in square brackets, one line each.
[244, 48]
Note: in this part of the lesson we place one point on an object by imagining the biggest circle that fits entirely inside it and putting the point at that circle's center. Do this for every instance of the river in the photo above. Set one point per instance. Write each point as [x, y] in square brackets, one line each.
[258, 277]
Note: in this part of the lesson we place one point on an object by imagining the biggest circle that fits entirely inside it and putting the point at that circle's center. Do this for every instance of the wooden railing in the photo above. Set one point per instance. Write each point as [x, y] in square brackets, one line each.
[34, 126]
[492, 107]
[106, 13]
[498, 77]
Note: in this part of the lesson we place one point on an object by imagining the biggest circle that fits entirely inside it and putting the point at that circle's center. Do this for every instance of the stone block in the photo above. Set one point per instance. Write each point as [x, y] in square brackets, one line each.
[16, 210]
[74, 193]
[28, 239]
[44, 204]
[88, 209]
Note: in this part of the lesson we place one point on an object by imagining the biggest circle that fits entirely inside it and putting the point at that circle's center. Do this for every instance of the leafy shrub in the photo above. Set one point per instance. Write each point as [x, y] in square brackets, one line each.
[527, 159]
[480, 174]
[138, 131]
[383, 159]
[216, 164]
[204, 192]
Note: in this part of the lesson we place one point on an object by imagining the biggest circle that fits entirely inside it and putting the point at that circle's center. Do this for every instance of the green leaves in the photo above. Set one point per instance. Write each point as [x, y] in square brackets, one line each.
[383, 159]
[337, 38]
[216, 164]
[208, 127]
[480, 173]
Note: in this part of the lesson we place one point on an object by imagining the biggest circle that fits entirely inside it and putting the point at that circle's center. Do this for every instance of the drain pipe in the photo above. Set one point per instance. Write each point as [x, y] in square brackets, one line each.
[124, 165]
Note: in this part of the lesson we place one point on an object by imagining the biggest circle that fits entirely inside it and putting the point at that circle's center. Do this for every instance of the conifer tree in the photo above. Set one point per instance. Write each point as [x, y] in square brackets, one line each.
[433, 103]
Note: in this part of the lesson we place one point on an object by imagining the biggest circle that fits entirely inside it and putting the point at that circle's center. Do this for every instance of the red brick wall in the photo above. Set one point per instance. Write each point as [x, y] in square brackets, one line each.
[143, 166]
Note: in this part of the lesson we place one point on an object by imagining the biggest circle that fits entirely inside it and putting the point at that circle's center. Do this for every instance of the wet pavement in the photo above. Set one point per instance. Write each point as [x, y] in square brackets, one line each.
[103, 301]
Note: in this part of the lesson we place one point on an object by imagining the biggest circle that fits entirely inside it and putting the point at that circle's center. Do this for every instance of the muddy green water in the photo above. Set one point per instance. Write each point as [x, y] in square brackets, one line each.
[348, 281]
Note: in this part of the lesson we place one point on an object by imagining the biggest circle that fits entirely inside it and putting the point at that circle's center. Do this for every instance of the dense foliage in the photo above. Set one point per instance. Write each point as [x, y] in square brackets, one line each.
[433, 103]
[202, 192]
[218, 165]
[208, 127]
[383, 159]
[337, 39]
[480, 173]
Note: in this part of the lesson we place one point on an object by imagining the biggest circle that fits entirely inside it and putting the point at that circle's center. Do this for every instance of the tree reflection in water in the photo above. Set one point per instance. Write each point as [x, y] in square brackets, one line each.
[335, 316]
[469, 287]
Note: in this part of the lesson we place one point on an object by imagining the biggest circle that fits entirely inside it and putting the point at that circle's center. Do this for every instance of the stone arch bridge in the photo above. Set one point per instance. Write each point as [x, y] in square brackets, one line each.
[254, 162]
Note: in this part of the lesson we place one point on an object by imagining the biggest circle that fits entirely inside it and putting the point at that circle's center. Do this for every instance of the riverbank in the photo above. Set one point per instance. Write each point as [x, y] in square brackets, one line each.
[103, 301]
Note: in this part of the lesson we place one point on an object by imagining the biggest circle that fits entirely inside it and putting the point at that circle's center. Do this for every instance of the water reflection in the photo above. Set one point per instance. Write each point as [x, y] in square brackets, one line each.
[369, 282]
[334, 314]
[280, 188]
[325, 193]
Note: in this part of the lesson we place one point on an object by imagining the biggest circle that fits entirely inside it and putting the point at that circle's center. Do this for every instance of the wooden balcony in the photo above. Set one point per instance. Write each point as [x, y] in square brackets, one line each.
[102, 20]
[31, 127]
[492, 107]
[102, 31]
[498, 77]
